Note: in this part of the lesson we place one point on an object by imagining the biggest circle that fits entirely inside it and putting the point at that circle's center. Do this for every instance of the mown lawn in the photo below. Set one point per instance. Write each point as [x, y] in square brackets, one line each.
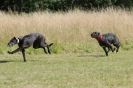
[92, 70]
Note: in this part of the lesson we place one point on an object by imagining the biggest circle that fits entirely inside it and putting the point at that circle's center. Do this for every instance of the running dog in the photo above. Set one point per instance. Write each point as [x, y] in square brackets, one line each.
[36, 40]
[106, 41]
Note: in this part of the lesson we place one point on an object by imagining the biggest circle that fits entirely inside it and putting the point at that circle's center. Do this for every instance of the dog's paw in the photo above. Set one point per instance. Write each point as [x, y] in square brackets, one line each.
[113, 50]
[9, 52]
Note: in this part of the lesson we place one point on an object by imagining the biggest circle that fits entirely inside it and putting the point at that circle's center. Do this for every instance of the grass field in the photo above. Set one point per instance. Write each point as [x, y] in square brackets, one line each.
[90, 70]
[76, 60]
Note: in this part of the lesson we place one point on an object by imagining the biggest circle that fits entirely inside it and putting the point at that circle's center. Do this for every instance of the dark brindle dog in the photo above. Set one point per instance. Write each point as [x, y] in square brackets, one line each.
[106, 41]
[36, 40]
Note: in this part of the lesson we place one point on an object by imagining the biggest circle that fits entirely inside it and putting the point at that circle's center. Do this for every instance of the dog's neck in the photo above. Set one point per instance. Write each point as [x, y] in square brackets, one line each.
[18, 40]
[99, 38]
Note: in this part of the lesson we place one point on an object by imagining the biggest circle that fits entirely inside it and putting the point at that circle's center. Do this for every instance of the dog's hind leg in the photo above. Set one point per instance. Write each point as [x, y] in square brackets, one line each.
[23, 53]
[117, 46]
[48, 49]
[48, 46]
[42, 45]
[45, 50]
[110, 47]
[117, 49]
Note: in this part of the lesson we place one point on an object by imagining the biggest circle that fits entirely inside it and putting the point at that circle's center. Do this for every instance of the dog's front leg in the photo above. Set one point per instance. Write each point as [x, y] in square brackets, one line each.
[23, 53]
[18, 49]
[106, 52]
[108, 49]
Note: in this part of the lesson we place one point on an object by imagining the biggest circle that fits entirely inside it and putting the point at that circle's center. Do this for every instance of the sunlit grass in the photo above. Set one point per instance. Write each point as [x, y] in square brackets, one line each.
[93, 70]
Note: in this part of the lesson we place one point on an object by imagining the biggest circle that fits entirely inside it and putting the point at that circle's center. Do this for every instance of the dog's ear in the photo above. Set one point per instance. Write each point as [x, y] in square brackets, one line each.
[98, 33]
[17, 39]
[14, 37]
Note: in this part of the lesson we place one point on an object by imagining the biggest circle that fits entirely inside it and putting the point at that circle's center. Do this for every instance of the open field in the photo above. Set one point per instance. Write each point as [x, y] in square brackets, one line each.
[76, 60]
[92, 70]
[70, 31]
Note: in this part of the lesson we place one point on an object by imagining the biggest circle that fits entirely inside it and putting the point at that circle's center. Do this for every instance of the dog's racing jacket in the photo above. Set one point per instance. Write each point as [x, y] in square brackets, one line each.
[102, 40]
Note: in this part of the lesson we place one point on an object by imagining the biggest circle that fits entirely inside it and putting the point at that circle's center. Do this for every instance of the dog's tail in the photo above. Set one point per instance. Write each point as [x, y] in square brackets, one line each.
[50, 44]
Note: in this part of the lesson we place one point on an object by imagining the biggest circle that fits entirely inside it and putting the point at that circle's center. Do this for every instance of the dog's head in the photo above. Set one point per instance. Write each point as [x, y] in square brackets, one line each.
[95, 34]
[13, 41]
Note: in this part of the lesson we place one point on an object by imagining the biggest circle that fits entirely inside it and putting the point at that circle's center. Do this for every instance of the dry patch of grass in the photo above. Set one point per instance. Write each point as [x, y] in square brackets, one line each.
[68, 28]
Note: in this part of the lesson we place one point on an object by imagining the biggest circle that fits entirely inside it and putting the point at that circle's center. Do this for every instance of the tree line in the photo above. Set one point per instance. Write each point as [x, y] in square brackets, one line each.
[61, 5]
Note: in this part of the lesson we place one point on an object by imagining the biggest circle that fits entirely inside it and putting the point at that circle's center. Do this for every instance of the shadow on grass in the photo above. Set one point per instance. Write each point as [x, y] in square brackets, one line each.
[9, 61]
[21, 61]
[96, 56]
[4, 61]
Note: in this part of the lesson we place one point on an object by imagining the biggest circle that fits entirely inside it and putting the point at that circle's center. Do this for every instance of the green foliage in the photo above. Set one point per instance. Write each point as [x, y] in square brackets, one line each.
[127, 45]
[57, 48]
[56, 5]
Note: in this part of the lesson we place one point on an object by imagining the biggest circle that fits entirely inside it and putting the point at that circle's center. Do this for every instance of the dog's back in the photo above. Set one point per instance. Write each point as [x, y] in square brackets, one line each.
[33, 36]
[112, 38]
[32, 39]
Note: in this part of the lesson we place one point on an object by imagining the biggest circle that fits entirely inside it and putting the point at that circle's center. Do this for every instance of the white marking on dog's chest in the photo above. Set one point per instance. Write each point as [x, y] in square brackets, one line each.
[17, 40]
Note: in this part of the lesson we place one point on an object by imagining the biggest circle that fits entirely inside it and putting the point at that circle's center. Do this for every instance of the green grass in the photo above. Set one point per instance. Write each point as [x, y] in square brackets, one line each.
[86, 70]
[66, 48]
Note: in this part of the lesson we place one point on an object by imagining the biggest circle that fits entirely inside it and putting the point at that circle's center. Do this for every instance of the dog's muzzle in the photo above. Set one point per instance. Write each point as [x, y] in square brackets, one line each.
[92, 35]
[10, 44]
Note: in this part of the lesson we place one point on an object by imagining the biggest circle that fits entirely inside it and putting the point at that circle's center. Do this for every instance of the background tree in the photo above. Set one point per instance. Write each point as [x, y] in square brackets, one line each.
[61, 5]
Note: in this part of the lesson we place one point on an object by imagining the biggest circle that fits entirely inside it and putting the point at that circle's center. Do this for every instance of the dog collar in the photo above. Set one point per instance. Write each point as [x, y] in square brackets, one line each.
[100, 38]
[17, 40]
